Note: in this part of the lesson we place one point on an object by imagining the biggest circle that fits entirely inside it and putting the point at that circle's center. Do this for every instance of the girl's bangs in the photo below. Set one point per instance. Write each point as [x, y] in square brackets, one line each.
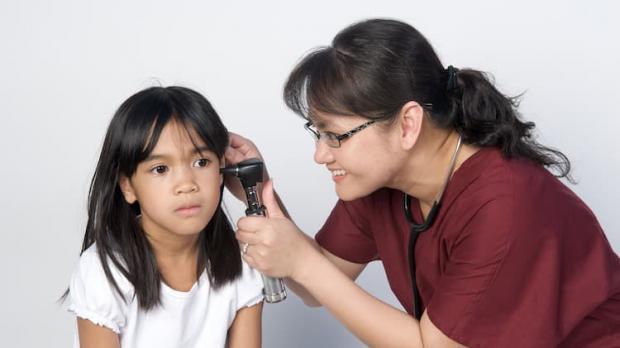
[148, 113]
[193, 130]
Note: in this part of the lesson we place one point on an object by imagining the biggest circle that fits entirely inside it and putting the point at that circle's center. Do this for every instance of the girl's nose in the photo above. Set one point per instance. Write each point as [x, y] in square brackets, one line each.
[188, 187]
[323, 153]
[185, 182]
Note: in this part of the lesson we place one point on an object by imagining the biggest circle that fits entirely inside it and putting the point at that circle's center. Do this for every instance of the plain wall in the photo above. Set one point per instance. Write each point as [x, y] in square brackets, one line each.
[65, 66]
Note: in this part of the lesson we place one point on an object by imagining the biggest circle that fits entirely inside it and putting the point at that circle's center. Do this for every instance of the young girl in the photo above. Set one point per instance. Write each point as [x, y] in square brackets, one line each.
[160, 266]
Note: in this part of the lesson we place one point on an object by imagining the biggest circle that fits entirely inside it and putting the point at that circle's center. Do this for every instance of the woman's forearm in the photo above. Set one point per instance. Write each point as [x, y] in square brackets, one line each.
[374, 322]
[300, 291]
[297, 288]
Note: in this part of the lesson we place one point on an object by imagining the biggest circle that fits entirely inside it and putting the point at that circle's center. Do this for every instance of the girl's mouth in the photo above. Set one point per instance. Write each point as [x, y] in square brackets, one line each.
[188, 210]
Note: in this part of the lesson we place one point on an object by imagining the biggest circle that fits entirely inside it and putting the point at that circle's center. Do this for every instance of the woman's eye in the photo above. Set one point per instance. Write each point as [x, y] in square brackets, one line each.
[201, 162]
[159, 169]
[331, 136]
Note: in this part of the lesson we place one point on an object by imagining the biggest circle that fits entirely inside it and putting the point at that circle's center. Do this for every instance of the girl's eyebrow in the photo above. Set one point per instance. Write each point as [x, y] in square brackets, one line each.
[201, 149]
[153, 157]
[196, 150]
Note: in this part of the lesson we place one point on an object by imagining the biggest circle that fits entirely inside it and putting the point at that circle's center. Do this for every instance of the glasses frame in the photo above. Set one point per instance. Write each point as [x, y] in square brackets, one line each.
[338, 137]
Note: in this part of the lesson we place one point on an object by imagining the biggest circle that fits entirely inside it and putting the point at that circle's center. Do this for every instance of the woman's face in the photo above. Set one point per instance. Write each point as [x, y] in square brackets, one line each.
[364, 162]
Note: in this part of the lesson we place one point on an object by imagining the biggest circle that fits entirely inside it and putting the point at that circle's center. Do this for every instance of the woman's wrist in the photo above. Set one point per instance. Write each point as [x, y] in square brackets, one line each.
[309, 261]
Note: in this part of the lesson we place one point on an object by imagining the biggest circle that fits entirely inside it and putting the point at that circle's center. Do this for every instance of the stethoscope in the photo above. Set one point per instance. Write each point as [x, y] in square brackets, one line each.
[416, 229]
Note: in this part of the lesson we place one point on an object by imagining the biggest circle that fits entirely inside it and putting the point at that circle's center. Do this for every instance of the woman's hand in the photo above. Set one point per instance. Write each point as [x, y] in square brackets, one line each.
[241, 149]
[276, 247]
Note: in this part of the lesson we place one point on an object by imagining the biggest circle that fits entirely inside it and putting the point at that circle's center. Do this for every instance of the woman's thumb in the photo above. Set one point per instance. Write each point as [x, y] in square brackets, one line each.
[270, 202]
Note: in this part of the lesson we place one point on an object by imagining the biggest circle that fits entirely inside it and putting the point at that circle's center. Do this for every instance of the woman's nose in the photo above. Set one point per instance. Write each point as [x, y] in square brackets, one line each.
[323, 153]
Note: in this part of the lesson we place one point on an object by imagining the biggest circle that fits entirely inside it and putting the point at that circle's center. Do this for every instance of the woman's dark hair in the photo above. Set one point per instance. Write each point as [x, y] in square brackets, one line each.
[376, 66]
[112, 222]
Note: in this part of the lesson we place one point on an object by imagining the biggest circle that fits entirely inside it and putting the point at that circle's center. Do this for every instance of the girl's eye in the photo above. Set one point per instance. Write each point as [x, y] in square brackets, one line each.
[159, 170]
[201, 162]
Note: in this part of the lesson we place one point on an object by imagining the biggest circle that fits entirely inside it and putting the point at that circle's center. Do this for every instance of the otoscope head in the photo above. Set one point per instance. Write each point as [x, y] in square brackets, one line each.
[249, 172]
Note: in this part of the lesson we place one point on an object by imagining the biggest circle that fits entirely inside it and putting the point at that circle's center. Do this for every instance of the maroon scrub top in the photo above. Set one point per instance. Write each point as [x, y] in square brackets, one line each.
[514, 258]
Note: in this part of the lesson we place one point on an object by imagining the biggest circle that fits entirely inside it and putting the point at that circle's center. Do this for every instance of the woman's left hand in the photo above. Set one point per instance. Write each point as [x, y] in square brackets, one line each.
[276, 247]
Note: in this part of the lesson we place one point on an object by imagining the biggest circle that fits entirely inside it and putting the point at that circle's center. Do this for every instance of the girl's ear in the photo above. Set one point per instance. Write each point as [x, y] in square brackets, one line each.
[222, 165]
[127, 189]
[410, 118]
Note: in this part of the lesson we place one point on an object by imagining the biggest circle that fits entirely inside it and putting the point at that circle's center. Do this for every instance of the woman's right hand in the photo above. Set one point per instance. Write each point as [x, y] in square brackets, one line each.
[241, 149]
[276, 246]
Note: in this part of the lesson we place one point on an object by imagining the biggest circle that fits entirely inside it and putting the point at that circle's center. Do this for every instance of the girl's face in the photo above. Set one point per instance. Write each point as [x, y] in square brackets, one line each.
[364, 162]
[177, 185]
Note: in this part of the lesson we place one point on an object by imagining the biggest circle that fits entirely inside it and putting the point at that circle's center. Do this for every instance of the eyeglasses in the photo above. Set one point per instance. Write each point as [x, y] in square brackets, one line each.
[332, 139]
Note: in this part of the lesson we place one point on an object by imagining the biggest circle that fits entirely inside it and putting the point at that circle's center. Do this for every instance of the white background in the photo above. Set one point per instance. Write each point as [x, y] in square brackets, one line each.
[65, 66]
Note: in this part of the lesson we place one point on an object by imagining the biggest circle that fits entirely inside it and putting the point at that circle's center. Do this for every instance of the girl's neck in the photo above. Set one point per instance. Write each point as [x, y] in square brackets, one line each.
[177, 259]
[167, 243]
[173, 247]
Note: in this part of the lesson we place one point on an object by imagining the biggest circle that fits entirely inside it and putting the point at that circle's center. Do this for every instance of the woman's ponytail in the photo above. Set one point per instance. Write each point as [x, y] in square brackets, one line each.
[485, 117]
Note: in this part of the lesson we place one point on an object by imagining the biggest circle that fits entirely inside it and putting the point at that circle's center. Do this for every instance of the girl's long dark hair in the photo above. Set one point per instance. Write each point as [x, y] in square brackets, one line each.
[113, 224]
[376, 66]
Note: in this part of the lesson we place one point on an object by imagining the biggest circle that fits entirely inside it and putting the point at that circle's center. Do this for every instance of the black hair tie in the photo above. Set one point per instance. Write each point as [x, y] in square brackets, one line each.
[452, 79]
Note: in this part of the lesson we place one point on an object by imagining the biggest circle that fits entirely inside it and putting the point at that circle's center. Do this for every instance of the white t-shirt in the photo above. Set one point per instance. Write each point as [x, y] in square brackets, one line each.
[200, 317]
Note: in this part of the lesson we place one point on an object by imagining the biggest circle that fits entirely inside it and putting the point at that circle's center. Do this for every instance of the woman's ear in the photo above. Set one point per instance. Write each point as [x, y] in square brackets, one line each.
[127, 189]
[410, 119]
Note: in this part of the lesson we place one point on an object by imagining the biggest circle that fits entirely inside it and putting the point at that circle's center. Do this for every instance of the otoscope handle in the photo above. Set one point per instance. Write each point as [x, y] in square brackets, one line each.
[274, 289]
[254, 206]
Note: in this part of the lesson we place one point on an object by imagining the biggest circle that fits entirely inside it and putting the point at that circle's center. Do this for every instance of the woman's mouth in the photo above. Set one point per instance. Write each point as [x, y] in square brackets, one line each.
[338, 174]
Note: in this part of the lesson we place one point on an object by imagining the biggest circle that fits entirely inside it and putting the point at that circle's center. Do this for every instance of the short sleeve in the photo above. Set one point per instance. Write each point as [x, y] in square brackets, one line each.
[92, 297]
[347, 232]
[249, 287]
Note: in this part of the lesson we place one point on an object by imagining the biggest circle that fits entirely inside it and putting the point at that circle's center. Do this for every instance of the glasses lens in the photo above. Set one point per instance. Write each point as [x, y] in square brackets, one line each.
[331, 139]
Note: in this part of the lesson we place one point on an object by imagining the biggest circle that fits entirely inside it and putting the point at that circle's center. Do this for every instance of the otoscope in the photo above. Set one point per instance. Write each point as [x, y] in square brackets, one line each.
[250, 172]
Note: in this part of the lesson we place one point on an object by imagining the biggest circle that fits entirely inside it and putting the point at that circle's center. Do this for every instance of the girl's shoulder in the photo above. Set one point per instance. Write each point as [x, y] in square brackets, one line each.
[90, 268]
[249, 287]
[92, 296]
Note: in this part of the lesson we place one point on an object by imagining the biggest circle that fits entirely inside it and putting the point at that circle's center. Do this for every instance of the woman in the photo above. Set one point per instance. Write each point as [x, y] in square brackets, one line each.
[440, 179]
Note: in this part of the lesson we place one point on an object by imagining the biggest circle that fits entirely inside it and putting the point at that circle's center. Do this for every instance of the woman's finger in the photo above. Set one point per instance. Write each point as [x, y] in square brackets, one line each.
[242, 145]
[236, 140]
[249, 260]
[233, 156]
[247, 237]
[251, 223]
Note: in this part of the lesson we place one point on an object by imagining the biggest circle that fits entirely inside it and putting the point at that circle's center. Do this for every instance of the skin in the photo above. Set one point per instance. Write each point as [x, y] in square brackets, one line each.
[178, 189]
[410, 155]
